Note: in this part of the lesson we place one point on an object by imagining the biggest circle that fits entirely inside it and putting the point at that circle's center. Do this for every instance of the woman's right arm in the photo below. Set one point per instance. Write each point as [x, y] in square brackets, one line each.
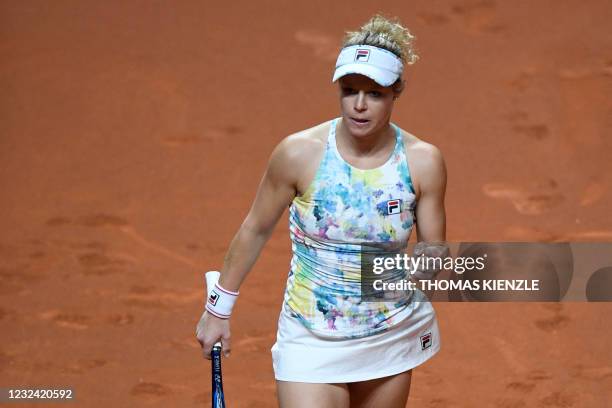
[276, 191]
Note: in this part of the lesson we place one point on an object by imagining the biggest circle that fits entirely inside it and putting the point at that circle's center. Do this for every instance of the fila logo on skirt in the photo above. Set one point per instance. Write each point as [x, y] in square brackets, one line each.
[425, 341]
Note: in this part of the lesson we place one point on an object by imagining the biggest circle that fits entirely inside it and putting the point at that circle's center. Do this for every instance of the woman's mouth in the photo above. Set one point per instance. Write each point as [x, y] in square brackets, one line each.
[360, 122]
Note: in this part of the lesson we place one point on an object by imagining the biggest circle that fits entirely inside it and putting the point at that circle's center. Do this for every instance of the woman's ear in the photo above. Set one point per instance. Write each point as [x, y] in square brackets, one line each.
[398, 87]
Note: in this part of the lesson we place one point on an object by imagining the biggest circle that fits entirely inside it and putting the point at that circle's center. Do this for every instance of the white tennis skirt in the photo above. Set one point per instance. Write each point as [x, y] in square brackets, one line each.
[301, 356]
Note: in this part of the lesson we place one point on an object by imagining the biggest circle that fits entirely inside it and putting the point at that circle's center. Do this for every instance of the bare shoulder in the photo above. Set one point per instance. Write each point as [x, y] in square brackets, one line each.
[296, 158]
[420, 149]
[302, 145]
[425, 161]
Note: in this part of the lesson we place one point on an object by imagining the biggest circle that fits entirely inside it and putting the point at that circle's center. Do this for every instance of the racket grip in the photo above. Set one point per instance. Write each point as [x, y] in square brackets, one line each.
[218, 397]
[211, 279]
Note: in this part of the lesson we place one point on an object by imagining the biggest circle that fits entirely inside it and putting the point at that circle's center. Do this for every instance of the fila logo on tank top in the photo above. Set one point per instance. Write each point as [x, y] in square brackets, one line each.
[343, 209]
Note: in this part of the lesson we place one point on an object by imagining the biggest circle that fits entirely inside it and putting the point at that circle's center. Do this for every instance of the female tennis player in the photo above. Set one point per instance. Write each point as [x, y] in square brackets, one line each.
[353, 183]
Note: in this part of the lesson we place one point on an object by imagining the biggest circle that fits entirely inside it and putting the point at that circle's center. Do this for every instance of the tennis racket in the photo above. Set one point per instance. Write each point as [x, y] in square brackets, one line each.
[218, 399]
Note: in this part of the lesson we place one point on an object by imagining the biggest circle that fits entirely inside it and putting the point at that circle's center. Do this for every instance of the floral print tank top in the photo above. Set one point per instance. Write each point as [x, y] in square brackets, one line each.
[342, 211]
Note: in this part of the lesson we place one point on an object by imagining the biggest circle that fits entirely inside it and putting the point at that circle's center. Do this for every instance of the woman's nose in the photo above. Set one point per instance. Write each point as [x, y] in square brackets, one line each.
[360, 101]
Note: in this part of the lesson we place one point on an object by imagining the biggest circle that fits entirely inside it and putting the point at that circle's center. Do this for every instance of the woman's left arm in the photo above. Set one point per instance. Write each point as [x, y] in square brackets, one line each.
[431, 179]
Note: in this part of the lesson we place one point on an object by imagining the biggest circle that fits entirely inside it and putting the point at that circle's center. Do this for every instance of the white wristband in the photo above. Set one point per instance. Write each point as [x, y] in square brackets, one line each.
[221, 301]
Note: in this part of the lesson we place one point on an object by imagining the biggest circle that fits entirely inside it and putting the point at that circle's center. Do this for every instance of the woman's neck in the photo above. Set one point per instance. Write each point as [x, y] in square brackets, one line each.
[369, 145]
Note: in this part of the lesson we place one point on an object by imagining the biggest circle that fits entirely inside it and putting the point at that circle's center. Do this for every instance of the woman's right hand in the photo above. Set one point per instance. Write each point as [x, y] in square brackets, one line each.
[209, 330]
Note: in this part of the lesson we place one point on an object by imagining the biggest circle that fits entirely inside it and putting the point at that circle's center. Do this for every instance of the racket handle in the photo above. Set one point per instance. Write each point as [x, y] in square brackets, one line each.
[211, 279]
[218, 397]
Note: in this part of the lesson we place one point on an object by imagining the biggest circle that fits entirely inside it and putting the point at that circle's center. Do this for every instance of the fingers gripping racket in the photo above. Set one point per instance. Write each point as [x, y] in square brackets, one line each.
[218, 399]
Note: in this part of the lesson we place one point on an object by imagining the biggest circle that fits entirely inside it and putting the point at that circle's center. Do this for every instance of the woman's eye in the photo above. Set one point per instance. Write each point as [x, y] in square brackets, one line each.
[353, 91]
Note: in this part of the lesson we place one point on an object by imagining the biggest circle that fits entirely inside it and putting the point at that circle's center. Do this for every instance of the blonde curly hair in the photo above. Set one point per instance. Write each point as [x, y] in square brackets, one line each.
[390, 34]
[385, 33]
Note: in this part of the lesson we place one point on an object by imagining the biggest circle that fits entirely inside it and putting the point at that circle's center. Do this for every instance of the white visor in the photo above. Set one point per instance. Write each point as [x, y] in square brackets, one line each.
[380, 65]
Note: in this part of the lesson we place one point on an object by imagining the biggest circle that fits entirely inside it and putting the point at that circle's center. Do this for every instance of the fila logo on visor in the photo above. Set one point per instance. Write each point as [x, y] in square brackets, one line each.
[394, 207]
[362, 55]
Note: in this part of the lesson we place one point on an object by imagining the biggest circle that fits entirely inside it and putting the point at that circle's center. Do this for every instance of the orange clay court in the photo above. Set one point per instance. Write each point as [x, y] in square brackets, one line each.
[133, 136]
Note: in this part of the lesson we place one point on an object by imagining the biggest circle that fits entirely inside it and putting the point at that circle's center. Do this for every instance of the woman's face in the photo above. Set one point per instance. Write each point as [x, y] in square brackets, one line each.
[366, 106]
